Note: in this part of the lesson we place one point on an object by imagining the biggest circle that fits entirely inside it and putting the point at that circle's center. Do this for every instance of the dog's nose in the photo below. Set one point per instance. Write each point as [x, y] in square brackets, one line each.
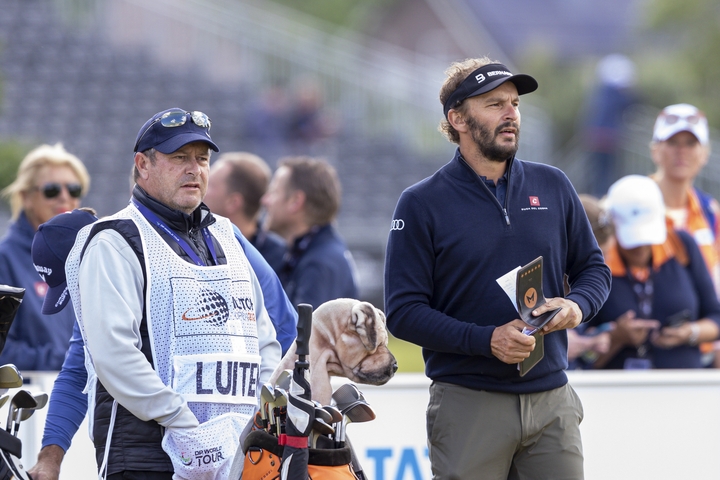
[395, 367]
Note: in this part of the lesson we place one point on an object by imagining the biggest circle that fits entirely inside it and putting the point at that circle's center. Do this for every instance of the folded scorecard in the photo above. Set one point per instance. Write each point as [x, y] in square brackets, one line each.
[529, 292]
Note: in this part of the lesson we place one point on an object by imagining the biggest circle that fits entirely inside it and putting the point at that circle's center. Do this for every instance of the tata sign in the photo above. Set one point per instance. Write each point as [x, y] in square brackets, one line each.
[640, 419]
[393, 446]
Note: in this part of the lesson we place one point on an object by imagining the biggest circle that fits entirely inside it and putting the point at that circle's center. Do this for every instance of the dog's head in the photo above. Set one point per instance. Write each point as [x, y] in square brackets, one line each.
[360, 342]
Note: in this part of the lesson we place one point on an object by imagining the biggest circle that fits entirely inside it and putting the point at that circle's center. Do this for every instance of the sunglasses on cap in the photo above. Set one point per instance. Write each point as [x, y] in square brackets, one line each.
[178, 118]
[671, 119]
[52, 190]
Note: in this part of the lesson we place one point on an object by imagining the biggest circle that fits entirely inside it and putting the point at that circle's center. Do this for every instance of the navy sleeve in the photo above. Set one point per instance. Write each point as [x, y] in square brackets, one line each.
[68, 405]
[409, 266]
[709, 306]
[281, 312]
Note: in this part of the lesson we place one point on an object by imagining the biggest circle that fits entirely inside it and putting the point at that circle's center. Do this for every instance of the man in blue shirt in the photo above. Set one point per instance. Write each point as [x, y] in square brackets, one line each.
[302, 202]
[237, 182]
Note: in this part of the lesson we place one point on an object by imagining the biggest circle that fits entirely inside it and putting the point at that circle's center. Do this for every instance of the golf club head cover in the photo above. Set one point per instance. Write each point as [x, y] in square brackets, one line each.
[300, 408]
[298, 424]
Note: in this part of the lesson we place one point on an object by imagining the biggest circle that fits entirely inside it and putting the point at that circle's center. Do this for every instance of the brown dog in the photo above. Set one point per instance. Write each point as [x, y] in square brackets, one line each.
[349, 339]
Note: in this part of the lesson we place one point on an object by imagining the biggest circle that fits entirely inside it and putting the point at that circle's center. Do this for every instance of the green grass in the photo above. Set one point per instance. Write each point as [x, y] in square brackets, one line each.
[11, 153]
[408, 355]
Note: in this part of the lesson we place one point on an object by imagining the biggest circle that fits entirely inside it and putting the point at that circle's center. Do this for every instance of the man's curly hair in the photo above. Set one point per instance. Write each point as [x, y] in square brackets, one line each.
[456, 73]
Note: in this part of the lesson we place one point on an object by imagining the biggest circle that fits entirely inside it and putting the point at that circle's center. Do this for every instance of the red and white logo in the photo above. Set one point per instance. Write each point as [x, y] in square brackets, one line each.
[41, 289]
[534, 201]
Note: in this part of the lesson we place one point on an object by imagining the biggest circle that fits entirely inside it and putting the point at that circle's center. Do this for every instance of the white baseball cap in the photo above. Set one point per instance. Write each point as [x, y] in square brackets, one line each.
[637, 208]
[681, 117]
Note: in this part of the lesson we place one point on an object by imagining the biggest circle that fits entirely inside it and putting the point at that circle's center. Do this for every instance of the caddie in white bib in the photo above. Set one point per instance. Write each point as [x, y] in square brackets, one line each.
[204, 342]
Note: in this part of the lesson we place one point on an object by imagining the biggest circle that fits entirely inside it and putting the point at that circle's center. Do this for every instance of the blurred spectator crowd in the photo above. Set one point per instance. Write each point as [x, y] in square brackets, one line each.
[659, 236]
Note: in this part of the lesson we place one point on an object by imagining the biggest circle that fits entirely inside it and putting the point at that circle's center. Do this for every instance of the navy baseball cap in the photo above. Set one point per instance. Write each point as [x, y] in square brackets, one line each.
[51, 245]
[169, 130]
[487, 78]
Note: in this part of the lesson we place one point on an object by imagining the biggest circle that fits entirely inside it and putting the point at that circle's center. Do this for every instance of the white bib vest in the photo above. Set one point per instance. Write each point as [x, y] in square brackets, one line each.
[204, 342]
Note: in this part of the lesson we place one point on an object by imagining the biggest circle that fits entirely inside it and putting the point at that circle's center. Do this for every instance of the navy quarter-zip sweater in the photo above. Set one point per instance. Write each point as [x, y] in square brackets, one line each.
[451, 239]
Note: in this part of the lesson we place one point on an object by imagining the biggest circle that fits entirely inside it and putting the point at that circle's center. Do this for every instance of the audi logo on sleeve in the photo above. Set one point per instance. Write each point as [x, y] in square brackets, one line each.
[397, 224]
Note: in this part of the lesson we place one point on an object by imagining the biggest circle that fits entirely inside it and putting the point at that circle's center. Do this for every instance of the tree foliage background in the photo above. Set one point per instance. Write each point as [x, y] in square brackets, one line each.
[676, 50]
[677, 55]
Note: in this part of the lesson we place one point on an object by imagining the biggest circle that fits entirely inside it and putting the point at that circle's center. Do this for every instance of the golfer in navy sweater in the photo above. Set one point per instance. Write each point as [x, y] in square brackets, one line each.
[456, 232]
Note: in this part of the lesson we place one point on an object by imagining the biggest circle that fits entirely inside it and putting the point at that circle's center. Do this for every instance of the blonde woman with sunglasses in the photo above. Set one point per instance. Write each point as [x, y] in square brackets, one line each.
[50, 181]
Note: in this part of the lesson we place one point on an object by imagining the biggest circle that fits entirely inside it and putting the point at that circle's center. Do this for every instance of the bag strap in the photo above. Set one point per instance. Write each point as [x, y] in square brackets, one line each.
[322, 457]
[705, 203]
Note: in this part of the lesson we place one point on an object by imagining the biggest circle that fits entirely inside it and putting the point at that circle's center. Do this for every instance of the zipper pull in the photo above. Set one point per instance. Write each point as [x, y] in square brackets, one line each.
[507, 218]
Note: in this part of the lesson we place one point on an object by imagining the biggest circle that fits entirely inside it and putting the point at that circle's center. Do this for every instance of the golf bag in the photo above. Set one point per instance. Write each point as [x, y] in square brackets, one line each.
[11, 451]
[10, 300]
[10, 445]
[263, 457]
[278, 449]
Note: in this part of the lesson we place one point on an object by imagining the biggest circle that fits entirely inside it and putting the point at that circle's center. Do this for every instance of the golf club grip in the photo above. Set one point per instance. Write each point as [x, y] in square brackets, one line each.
[304, 328]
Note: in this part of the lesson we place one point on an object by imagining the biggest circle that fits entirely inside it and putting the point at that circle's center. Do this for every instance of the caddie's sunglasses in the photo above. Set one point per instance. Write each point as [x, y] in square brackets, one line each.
[52, 190]
[178, 118]
[672, 119]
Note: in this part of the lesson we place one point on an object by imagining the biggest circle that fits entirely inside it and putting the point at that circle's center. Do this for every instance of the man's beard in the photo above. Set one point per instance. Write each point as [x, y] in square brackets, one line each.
[485, 141]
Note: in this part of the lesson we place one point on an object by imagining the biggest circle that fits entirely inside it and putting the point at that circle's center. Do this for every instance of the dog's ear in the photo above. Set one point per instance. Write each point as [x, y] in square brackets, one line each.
[381, 316]
[365, 318]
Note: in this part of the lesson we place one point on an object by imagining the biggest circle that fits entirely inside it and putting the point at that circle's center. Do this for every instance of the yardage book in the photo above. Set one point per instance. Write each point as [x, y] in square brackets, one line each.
[529, 296]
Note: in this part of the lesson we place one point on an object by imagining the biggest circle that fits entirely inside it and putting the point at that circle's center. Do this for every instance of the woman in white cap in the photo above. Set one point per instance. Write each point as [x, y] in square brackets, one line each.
[662, 299]
[680, 148]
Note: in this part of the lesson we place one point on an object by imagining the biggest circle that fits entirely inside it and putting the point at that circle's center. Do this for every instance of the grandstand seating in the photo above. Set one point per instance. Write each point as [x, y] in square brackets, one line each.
[70, 85]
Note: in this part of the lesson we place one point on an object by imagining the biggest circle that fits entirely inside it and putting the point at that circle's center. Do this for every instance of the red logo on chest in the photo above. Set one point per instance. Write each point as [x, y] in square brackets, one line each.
[41, 289]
